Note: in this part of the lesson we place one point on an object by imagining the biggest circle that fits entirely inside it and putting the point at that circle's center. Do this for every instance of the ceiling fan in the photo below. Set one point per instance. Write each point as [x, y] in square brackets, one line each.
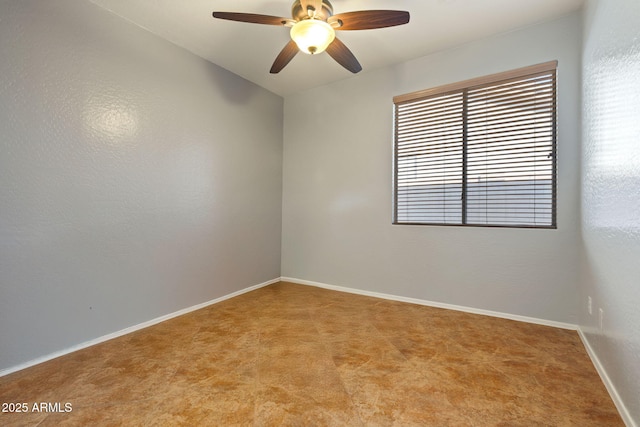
[313, 27]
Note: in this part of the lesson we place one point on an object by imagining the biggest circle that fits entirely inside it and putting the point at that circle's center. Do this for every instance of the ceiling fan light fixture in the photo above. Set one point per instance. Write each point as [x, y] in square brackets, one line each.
[313, 26]
[312, 35]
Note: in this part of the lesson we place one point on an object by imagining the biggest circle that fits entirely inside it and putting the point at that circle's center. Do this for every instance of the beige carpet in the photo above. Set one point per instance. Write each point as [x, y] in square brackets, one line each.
[294, 355]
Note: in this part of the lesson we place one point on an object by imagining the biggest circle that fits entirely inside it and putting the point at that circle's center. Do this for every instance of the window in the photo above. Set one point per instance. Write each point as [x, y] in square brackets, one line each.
[480, 152]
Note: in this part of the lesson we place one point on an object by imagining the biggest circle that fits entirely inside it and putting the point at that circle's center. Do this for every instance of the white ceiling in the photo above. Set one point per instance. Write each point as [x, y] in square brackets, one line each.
[249, 49]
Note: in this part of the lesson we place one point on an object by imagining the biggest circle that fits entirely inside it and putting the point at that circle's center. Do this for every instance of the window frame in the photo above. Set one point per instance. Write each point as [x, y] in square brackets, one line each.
[474, 84]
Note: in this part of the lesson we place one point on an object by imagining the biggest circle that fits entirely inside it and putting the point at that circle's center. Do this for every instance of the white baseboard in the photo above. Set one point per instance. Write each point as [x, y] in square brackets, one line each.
[465, 309]
[622, 409]
[130, 329]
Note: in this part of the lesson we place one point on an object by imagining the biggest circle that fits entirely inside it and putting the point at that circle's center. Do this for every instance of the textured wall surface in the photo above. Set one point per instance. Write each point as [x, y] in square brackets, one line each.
[337, 199]
[611, 192]
[135, 178]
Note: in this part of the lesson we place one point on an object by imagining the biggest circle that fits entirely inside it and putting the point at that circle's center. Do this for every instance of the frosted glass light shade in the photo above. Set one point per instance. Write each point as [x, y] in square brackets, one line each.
[312, 35]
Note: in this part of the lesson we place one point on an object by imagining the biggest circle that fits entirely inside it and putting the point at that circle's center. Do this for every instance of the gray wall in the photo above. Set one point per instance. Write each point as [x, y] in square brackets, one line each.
[611, 192]
[337, 199]
[135, 178]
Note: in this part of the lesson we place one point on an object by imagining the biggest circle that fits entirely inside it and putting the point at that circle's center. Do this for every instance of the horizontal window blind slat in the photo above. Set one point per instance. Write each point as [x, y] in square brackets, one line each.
[428, 149]
[524, 162]
[537, 97]
[434, 100]
[526, 136]
[430, 134]
[442, 109]
[534, 88]
[445, 122]
[526, 143]
[533, 154]
[526, 121]
[507, 114]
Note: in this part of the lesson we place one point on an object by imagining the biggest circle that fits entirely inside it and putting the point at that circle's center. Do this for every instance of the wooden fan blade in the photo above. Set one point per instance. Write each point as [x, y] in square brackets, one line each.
[284, 57]
[252, 18]
[315, 4]
[370, 19]
[343, 56]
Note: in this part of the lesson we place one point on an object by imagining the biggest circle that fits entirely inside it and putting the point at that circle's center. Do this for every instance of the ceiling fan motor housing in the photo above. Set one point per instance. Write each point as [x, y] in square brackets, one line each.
[298, 13]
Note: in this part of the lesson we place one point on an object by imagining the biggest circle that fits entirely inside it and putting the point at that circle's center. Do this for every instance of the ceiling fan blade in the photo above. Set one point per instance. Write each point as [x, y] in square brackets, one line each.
[284, 57]
[252, 18]
[343, 56]
[370, 19]
[314, 4]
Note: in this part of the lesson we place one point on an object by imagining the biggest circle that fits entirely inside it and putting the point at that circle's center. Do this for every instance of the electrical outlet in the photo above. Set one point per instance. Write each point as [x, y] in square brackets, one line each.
[601, 318]
[590, 305]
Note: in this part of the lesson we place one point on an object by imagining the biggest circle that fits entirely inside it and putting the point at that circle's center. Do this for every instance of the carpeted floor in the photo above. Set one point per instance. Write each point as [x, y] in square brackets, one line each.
[295, 355]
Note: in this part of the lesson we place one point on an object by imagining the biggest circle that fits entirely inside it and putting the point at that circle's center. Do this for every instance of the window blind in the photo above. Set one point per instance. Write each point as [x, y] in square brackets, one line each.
[480, 152]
